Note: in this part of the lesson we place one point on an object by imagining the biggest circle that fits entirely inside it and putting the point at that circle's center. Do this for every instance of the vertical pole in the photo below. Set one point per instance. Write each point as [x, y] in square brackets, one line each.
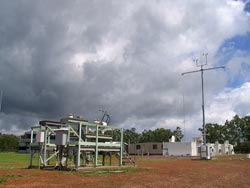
[31, 141]
[103, 158]
[96, 146]
[129, 150]
[39, 155]
[45, 147]
[203, 113]
[121, 149]
[184, 115]
[203, 108]
[86, 132]
[110, 158]
[134, 149]
[79, 145]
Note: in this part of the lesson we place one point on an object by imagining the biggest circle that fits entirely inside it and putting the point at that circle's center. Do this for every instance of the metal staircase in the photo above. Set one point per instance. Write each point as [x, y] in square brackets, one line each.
[126, 158]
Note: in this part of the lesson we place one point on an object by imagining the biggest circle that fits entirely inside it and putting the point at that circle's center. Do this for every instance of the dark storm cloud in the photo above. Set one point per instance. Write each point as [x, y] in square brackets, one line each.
[37, 42]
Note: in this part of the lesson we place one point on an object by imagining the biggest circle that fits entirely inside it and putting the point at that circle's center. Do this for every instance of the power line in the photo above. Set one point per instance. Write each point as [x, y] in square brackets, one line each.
[200, 64]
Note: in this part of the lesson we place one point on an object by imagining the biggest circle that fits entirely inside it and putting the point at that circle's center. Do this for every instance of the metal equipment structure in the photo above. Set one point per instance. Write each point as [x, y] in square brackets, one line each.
[75, 143]
[204, 151]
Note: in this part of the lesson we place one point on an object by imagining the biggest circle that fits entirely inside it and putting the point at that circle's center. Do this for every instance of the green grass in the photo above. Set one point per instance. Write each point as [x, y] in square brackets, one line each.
[100, 172]
[11, 160]
[5, 177]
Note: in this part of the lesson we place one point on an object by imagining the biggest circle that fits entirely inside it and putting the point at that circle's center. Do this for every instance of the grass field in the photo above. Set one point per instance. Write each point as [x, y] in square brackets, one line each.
[12, 160]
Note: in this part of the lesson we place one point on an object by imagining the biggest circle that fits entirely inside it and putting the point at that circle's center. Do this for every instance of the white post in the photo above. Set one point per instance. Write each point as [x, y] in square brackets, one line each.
[121, 149]
[96, 146]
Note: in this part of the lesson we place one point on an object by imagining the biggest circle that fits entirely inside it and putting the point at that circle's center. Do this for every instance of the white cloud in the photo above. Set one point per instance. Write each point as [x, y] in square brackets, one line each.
[223, 106]
[228, 103]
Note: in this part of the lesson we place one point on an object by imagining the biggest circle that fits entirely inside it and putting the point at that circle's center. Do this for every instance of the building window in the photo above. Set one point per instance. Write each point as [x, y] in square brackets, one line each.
[138, 146]
[154, 146]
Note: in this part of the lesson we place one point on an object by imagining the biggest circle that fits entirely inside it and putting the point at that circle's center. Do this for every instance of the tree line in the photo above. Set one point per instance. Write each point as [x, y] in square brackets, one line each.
[236, 131]
[8, 142]
[157, 135]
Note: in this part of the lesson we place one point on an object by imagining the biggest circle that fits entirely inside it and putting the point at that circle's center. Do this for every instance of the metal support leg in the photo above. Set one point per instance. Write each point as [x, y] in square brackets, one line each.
[96, 147]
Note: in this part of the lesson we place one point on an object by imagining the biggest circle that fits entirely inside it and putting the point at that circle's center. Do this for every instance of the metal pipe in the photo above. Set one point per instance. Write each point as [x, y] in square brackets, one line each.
[79, 144]
[121, 149]
[203, 107]
[96, 146]
[31, 141]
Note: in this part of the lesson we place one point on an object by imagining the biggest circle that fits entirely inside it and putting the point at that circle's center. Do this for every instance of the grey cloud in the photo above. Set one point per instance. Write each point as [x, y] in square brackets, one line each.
[40, 38]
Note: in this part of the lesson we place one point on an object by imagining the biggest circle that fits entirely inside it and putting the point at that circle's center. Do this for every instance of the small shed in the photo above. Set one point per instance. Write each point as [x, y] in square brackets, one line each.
[180, 148]
[149, 148]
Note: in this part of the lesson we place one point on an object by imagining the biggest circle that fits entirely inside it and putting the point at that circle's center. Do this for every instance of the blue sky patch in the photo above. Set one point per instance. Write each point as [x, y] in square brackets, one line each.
[228, 50]
[240, 42]
[247, 6]
[230, 46]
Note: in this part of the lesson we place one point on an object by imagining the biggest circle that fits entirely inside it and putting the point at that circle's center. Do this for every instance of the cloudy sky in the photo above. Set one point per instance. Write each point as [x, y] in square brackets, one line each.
[59, 57]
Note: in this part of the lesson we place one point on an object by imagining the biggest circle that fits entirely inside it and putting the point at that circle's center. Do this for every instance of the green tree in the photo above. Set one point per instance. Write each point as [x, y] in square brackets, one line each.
[147, 136]
[244, 128]
[214, 132]
[232, 133]
[131, 136]
[178, 134]
[8, 142]
[116, 133]
[157, 135]
[235, 131]
[161, 135]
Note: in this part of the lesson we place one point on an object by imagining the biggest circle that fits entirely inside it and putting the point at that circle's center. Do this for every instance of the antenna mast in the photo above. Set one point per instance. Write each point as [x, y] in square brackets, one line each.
[200, 64]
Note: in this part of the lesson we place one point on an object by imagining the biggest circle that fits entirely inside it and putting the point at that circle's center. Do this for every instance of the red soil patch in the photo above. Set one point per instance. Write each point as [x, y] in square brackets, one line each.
[155, 171]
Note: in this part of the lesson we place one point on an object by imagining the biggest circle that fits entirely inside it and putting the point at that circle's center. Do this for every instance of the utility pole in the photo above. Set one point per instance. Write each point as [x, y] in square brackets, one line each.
[202, 95]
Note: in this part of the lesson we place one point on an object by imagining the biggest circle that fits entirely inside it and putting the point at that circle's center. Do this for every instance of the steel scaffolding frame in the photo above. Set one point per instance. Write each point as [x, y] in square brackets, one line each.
[82, 140]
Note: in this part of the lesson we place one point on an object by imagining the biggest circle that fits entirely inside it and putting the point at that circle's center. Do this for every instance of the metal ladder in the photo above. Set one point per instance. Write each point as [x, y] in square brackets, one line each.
[126, 159]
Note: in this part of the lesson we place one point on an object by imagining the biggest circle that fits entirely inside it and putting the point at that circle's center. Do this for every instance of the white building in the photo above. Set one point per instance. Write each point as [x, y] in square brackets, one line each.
[180, 148]
[173, 148]
[193, 148]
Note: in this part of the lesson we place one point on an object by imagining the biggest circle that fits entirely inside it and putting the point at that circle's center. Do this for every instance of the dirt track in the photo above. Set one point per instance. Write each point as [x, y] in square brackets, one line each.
[156, 172]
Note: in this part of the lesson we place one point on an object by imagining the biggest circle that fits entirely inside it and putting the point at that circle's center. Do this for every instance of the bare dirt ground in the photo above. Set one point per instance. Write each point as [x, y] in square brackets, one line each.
[154, 171]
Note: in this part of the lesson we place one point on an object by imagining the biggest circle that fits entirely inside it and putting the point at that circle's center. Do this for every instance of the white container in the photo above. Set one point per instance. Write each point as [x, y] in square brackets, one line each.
[231, 149]
[61, 136]
[248, 156]
[40, 137]
[172, 139]
[203, 151]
